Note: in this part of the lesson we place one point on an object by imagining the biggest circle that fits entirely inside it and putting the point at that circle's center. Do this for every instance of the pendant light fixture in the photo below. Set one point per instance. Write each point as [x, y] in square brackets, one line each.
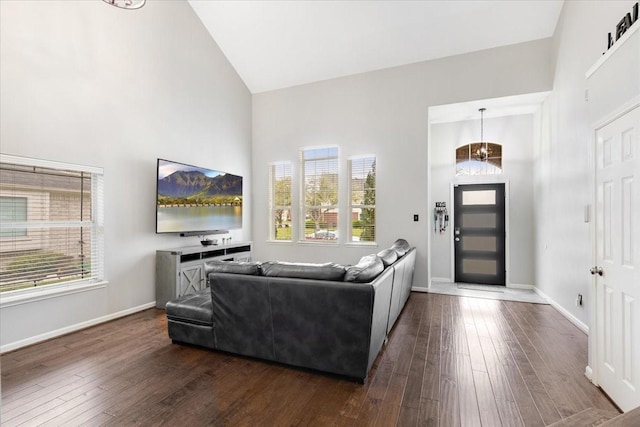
[482, 153]
[126, 4]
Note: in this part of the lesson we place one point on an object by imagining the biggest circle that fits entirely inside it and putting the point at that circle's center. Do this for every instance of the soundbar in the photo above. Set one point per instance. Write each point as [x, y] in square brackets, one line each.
[203, 233]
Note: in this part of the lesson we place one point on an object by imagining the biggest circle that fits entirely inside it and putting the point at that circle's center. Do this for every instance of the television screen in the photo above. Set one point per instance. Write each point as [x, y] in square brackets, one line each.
[191, 199]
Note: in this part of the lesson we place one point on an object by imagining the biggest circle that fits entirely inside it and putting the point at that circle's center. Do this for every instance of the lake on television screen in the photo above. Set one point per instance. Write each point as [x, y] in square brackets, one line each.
[197, 218]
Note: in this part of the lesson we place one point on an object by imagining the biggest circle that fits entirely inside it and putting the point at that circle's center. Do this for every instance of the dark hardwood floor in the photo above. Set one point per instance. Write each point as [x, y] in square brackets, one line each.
[449, 361]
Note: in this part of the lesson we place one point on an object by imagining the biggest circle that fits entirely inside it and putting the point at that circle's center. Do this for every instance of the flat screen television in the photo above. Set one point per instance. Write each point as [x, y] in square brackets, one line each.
[196, 200]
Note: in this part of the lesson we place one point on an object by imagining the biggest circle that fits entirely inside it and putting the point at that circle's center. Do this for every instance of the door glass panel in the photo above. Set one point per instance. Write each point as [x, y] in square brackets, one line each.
[478, 220]
[484, 197]
[479, 266]
[479, 243]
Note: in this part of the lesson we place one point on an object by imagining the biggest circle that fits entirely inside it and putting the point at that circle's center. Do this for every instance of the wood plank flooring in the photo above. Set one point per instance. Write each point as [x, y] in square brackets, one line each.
[450, 361]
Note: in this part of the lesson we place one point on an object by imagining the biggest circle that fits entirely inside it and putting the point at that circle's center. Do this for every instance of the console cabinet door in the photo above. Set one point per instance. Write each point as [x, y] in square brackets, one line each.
[181, 271]
[191, 279]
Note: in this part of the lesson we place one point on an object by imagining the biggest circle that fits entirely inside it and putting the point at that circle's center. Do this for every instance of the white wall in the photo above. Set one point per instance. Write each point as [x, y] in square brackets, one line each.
[84, 82]
[562, 173]
[516, 135]
[384, 113]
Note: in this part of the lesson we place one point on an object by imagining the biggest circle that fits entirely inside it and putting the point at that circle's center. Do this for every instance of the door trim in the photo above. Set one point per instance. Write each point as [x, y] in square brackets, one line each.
[493, 179]
[591, 370]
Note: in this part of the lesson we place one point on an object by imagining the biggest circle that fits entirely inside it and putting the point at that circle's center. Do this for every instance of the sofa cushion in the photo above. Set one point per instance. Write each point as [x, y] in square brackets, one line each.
[242, 314]
[388, 256]
[401, 247]
[327, 271]
[193, 308]
[367, 269]
[236, 267]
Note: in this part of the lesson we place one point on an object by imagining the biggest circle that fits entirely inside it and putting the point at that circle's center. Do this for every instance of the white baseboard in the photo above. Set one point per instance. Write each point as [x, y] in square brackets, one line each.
[441, 280]
[73, 328]
[415, 289]
[582, 326]
[520, 286]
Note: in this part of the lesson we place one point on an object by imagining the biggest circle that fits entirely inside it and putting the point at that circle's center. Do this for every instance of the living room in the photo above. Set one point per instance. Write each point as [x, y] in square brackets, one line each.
[88, 84]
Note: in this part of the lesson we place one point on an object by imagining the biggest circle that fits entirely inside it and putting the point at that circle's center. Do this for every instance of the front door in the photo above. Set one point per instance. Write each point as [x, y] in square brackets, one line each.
[617, 272]
[479, 233]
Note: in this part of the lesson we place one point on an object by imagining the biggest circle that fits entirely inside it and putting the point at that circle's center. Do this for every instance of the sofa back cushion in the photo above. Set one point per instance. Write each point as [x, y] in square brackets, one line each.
[300, 270]
[401, 247]
[367, 269]
[322, 325]
[236, 267]
[242, 315]
[388, 256]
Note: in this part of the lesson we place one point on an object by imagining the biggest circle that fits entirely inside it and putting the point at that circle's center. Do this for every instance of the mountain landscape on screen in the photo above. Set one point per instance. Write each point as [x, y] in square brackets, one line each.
[194, 187]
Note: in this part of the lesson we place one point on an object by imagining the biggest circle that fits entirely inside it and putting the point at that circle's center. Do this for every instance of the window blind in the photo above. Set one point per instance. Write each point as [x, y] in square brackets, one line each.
[51, 223]
[320, 193]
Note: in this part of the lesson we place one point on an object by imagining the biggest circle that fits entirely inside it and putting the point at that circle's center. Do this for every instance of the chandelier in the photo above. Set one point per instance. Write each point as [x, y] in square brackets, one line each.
[482, 152]
[126, 4]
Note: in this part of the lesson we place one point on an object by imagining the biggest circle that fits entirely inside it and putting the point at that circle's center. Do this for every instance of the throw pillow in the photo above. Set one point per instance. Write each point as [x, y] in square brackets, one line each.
[388, 256]
[365, 270]
[236, 267]
[300, 270]
[401, 246]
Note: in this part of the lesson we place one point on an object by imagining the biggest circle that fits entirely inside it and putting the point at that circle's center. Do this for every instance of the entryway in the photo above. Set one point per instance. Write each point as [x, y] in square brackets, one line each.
[479, 234]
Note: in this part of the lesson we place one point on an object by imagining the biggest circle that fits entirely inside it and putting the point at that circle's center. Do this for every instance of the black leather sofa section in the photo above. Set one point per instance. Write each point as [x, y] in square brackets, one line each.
[332, 326]
[241, 315]
[190, 320]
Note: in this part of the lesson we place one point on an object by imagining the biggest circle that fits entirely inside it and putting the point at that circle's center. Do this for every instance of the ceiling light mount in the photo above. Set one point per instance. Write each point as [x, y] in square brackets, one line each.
[126, 4]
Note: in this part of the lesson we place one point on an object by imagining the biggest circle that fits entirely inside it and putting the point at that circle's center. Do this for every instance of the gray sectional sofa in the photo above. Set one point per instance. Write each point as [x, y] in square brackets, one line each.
[325, 317]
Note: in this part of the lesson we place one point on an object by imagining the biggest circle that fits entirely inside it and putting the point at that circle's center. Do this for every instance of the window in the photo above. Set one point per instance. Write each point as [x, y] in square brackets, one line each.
[320, 194]
[51, 229]
[280, 200]
[479, 158]
[13, 209]
[362, 172]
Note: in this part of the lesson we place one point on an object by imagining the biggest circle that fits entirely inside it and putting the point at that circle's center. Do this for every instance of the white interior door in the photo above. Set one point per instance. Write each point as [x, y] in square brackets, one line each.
[617, 271]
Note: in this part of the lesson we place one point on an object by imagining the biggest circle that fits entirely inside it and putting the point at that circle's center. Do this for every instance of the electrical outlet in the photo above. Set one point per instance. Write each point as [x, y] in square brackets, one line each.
[415, 217]
[579, 300]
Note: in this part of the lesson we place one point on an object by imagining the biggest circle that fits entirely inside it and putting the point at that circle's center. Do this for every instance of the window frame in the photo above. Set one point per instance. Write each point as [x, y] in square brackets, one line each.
[350, 160]
[96, 224]
[332, 236]
[492, 165]
[288, 172]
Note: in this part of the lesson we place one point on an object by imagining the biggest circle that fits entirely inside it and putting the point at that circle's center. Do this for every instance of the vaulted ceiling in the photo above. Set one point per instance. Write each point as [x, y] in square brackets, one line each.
[278, 44]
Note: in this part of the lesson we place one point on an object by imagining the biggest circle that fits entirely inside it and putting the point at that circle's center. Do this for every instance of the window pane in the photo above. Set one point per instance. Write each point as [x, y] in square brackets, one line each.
[321, 224]
[51, 225]
[479, 243]
[483, 197]
[13, 209]
[479, 266]
[48, 256]
[479, 220]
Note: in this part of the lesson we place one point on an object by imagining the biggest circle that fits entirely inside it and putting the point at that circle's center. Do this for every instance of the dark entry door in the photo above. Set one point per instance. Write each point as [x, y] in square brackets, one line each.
[479, 233]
